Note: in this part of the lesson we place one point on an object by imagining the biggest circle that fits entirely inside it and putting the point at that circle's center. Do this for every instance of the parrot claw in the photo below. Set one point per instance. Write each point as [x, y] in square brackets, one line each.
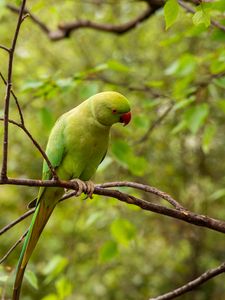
[90, 187]
[86, 187]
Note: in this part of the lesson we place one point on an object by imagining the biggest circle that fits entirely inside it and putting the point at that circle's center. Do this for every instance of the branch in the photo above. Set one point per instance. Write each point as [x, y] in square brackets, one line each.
[65, 29]
[155, 124]
[22, 126]
[191, 10]
[5, 48]
[13, 247]
[8, 91]
[181, 214]
[16, 100]
[192, 284]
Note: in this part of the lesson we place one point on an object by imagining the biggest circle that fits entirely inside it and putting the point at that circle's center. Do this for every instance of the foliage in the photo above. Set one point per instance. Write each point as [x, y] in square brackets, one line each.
[102, 249]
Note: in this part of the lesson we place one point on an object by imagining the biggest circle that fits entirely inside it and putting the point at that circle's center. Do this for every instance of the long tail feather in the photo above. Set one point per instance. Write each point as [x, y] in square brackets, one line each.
[39, 220]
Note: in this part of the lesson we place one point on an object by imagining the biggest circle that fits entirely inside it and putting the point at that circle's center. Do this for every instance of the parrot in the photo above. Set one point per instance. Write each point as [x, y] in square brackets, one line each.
[77, 144]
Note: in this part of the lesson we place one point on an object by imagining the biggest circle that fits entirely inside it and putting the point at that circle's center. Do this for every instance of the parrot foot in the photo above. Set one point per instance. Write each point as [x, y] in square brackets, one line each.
[90, 187]
[86, 187]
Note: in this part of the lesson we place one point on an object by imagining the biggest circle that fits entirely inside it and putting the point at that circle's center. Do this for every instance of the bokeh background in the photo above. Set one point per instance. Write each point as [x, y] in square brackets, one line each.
[101, 248]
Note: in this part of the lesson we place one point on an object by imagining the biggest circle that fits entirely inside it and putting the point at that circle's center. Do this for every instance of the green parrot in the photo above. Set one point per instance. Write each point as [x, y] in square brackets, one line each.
[77, 145]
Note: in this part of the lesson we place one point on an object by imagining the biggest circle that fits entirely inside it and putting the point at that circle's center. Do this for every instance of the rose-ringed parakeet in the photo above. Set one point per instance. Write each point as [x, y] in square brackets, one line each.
[77, 144]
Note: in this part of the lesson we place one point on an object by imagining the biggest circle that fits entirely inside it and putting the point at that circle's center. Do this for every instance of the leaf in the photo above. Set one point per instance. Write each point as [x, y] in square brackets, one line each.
[64, 288]
[217, 194]
[183, 66]
[124, 154]
[46, 117]
[117, 66]
[108, 251]
[55, 266]
[201, 17]
[32, 84]
[171, 10]
[122, 231]
[207, 138]
[183, 103]
[195, 117]
[221, 104]
[32, 279]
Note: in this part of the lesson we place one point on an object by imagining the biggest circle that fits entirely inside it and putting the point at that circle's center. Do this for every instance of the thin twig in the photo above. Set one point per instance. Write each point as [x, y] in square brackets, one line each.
[5, 48]
[13, 247]
[155, 124]
[23, 127]
[192, 284]
[8, 92]
[145, 188]
[16, 100]
[18, 220]
[32, 17]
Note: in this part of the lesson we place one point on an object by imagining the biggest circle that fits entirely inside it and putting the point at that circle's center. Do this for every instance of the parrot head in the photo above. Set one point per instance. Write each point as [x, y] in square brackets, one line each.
[110, 108]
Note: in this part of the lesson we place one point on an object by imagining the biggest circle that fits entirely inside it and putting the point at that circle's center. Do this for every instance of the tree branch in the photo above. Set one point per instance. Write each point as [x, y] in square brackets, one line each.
[5, 48]
[181, 214]
[16, 100]
[8, 91]
[13, 247]
[22, 126]
[65, 29]
[192, 284]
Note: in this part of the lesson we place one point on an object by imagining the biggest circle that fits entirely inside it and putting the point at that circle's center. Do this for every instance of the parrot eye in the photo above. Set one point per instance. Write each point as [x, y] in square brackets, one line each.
[114, 111]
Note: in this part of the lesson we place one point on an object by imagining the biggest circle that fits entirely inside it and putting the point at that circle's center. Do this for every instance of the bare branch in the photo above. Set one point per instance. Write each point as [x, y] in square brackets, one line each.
[22, 126]
[65, 29]
[5, 48]
[155, 124]
[16, 100]
[145, 188]
[192, 284]
[184, 215]
[32, 17]
[8, 92]
[13, 247]
[18, 220]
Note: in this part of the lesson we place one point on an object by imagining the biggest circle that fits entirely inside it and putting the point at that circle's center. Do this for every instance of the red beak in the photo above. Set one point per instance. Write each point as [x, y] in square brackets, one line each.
[125, 118]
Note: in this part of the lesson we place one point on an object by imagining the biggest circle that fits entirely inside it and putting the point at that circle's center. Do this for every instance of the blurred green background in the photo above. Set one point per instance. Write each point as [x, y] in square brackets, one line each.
[101, 248]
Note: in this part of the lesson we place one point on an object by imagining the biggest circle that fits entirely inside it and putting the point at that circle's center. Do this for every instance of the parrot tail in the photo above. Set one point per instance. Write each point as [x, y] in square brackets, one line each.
[38, 222]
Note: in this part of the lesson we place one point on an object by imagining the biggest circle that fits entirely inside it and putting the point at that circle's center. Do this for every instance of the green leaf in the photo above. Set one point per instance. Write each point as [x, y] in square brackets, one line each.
[179, 127]
[32, 279]
[46, 117]
[117, 66]
[217, 194]
[32, 84]
[195, 117]
[201, 17]
[124, 154]
[207, 138]
[185, 65]
[183, 103]
[55, 266]
[108, 251]
[221, 105]
[64, 288]
[171, 10]
[122, 231]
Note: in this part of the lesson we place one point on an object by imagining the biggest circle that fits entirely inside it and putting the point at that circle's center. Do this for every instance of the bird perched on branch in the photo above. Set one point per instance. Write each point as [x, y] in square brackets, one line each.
[77, 145]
